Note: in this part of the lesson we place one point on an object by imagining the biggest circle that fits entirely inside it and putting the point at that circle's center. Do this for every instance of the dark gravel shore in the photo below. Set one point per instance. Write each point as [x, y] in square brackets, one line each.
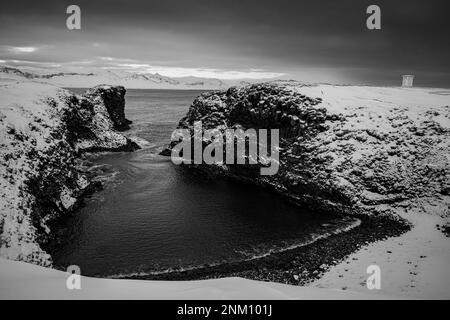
[300, 265]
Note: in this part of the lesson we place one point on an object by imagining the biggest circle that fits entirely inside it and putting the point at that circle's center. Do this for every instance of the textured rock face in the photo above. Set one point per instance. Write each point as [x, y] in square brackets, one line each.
[43, 129]
[362, 150]
[93, 119]
[113, 98]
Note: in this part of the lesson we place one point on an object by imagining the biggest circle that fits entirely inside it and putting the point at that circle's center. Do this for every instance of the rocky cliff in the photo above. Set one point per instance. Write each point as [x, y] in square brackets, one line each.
[43, 131]
[343, 149]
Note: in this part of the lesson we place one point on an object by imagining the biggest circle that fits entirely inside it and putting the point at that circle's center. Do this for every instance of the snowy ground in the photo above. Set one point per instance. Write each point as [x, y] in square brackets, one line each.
[27, 281]
[414, 265]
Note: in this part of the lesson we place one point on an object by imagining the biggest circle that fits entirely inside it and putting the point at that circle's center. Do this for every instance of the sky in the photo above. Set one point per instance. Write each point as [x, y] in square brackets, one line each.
[313, 41]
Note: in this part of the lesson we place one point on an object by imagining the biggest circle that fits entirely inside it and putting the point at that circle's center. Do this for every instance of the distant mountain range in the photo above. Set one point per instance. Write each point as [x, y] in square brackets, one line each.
[126, 79]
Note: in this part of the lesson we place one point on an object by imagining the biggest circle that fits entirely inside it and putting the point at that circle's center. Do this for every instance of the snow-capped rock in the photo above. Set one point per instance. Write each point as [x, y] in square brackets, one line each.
[43, 129]
[344, 149]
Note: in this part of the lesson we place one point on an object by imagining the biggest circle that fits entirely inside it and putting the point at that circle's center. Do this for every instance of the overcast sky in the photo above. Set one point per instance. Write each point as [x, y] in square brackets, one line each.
[318, 41]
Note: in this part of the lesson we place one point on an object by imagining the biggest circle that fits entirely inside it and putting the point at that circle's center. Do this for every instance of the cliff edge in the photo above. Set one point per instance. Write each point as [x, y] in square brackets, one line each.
[43, 131]
[343, 149]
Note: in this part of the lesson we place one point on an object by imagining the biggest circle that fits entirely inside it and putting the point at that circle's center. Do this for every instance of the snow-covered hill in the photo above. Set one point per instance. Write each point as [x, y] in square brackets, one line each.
[127, 79]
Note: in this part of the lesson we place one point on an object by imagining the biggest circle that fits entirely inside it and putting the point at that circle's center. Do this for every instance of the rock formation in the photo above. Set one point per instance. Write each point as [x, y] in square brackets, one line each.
[113, 99]
[347, 150]
[43, 131]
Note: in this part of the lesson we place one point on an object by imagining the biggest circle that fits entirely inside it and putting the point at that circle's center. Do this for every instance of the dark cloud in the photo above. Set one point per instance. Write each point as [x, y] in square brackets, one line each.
[309, 40]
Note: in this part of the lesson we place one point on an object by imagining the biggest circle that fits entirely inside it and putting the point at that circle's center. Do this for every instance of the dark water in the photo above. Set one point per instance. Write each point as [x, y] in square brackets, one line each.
[153, 216]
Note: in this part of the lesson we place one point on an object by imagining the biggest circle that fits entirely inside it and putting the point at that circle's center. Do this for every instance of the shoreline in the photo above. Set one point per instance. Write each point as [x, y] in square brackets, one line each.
[298, 266]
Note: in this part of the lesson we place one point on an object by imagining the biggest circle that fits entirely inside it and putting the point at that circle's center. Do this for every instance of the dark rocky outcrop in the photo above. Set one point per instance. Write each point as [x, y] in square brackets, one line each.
[94, 118]
[43, 131]
[381, 155]
[345, 150]
[113, 99]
